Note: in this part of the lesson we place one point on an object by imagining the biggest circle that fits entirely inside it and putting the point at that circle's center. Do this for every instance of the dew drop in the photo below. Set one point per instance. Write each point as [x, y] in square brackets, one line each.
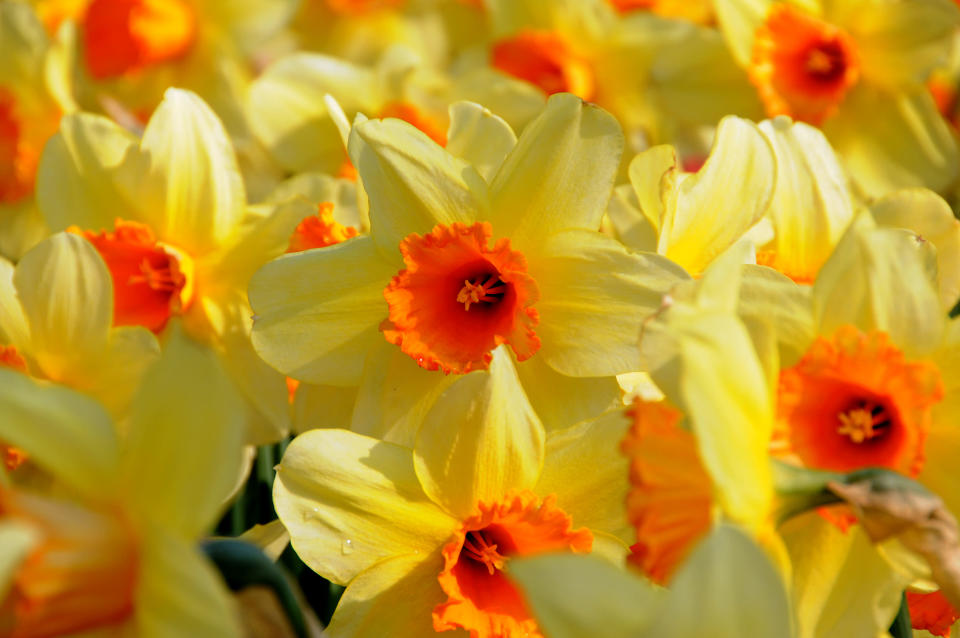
[346, 547]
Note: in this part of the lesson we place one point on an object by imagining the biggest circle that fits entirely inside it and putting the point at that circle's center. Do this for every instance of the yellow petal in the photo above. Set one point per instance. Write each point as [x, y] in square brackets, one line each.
[190, 190]
[583, 466]
[76, 179]
[559, 175]
[21, 227]
[514, 100]
[394, 597]
[712, 209]
[841, 585]
[17, 541]
[733, 588]
[479, 137]
[65, 433]
[561, 401]
[250, 21]
[67, 298]
[893, 140]
[413, 184]
[629, 222]
[594, 294]
[879, 279]
[652, 173]
[318, 188]
[115, 375]
[394, 395]
[271, 537]
[23, 43]
[574, 596]
[811, 204]
[350, 501]
[901, 42]
[928, 215]
[263, 388]
[739, 20]
[322, 406]
[183, 448]
[497, 444]
[771, 298]
[318, 312]
[14, 329]
[288, 114]
[179, 593]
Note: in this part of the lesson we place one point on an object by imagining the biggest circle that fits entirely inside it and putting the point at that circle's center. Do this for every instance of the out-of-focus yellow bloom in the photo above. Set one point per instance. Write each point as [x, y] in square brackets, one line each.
[422, 537]
[691, 218]
[56, 309]
[699, 11]
[34, 91]
[545, 286]
[112, 551]
[857, 69]
[169, 216]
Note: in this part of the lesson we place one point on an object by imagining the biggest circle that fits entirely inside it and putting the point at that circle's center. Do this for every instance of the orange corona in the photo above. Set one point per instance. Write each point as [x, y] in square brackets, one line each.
[319, 231]
[801, 65]
[931, 612]
[458, 299]
[152, 281]
[18, 159]
[480, 598]
[544, 59]
[854, 401]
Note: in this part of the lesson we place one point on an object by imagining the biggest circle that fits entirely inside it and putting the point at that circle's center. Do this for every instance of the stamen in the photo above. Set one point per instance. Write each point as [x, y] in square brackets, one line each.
[156, 278]
[491, 290]
[480, 549]
[865, 422]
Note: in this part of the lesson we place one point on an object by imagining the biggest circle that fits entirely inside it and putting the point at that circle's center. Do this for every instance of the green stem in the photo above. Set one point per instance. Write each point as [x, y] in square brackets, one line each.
[901, 627]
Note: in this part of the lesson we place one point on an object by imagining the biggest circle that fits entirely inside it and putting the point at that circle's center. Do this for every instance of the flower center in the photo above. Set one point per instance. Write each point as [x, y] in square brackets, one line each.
[480, 598]
[671, 494]
[152, 281]
[801, 65]
[412, 115]
[124, 36]
[81, 575]
[458, 299]
[544, 59]
[855, 401]
[319, 231]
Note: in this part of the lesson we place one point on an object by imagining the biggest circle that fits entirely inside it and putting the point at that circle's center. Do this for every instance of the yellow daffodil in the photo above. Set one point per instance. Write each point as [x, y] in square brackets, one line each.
[699, 11]
[727, 589]
[421, 537]
[56, 311]
[691, 218]
[169, 216]
[34, 92]
[856, 69]
[111, 551]
[456, 265]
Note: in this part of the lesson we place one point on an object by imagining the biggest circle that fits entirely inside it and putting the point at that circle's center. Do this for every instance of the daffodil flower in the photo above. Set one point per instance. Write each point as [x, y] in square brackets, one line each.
[112, 550]
[169, 216]
[855, 69]
[422, 537]
[56, 311]
[456, 266]
[34, 92]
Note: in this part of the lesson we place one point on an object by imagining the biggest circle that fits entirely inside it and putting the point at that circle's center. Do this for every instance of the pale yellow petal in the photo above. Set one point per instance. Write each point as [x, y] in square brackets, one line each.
[318, 312]
[629, 222]
[928, 215]
[76, 179]
[65, 433]
[394, 395]
[891, 140]
[271, 537]
[67, 298]
[575, 596]
[842, 586]
[179, 593]
[350, 501]
[739, 19]
[583, 466]
[559, 175]
[479, 440]
[184, 444]
[189, 189]
[560, 400]
[771, 298]
[318, 188]
[729, 585]
[322, 406]
[394, 597]
[413, 183]
[514, 100]
[879, 279]
[652, 173]
[712, 209]
[288, 114]
[811, 204]
[594, 294]
[250, 21]
[14, 329]
[115, 375]
[479, 137]
[22, 226]
[901, 42]
[23, 43]
[17, 540]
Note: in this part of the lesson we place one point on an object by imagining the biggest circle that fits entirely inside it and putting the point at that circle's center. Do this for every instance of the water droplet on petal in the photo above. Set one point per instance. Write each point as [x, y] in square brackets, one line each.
[346, 547]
